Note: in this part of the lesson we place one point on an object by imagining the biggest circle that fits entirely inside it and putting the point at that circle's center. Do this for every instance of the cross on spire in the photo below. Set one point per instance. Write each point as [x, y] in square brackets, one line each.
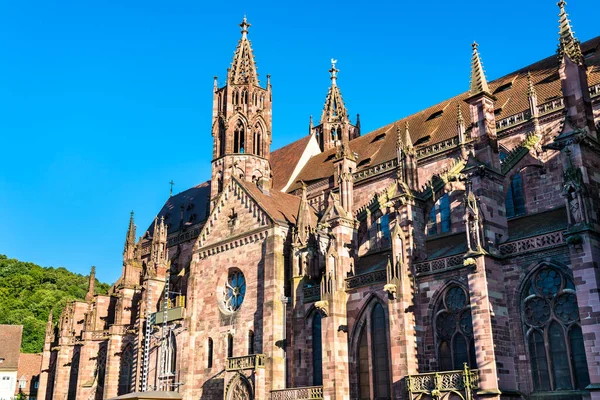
[170, 191]
[333, 71]
[244, 25]
[478, 81]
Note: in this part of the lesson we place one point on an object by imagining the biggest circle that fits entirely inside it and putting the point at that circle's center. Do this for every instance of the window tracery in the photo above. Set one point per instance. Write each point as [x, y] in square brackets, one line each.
[515, 197]
[439, 220]
[234, 290]
[454, 330]
[553, 332]
[126, 370]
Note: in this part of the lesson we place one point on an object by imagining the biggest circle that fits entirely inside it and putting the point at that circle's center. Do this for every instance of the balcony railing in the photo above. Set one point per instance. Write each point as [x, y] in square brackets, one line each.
[302, 393]
[253, 361]
[436, 384]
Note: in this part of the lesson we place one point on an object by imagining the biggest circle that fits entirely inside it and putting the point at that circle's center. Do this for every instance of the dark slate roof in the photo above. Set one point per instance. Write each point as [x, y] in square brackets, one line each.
[429, 127]
[10, 346]
[537, 224]
[195, 202]
[372, 262]
[446, 245]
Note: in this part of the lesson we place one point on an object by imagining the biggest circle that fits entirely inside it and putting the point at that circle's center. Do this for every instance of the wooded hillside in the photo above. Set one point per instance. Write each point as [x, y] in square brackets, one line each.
[28, 292]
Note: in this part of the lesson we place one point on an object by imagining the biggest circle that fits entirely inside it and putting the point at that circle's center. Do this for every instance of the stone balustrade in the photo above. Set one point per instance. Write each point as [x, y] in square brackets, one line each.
[302, 393]
[252, 361]
[436, 384]
[366, 279]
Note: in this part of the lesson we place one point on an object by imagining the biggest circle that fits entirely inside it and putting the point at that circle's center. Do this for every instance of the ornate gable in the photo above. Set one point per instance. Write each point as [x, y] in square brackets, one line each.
[235, 213]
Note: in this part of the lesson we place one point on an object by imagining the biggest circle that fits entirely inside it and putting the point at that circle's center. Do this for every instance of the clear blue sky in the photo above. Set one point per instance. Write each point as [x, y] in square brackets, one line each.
[103, 103]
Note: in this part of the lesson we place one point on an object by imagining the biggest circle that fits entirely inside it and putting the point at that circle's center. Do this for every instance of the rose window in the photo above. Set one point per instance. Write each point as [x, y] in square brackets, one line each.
[234, 290]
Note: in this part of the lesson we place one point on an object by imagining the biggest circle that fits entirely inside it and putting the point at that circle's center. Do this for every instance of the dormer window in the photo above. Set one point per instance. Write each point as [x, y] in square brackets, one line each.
[435, 115]
[503, 88]
[364, 163]
[379, 137]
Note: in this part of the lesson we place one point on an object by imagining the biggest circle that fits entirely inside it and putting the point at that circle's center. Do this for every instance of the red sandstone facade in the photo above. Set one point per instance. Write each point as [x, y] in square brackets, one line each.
[452, 253]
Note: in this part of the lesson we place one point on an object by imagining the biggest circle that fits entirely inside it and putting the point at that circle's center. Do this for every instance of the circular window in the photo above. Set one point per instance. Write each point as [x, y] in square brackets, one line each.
[234, 290]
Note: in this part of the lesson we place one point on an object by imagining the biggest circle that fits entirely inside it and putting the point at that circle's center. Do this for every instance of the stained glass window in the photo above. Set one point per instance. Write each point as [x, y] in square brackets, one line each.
[515, 197]
[372, 352]
[442, 224]
[454, 330]
[126, 370]
[317, 349]
[381, 374]
[555, 342]
[234, 290]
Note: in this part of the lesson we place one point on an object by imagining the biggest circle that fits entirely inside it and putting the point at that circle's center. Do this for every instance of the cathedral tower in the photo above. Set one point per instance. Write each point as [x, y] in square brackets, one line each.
[241, 122]
[335, 126]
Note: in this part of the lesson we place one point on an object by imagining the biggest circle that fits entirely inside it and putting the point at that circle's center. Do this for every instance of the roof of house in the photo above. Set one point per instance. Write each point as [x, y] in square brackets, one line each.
[30, 366]
[438, 123]
[10, 346]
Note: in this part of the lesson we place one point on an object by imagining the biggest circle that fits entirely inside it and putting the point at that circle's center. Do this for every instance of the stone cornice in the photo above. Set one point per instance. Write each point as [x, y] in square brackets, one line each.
[233, 242]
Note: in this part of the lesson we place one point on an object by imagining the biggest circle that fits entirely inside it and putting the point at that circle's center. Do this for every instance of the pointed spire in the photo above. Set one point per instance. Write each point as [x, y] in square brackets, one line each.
[49, 326]
[334, 108]
[568, 44]
[407, 140]
[91, 286]
[478, 81]
[460, 121]
[310, 125]
[304, 219]
[530, 89]
[399, 144]
[129, 248]
[358, 121]
[243, 68]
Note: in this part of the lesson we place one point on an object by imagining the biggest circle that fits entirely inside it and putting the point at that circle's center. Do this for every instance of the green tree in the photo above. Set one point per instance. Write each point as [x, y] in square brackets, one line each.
[28, 292]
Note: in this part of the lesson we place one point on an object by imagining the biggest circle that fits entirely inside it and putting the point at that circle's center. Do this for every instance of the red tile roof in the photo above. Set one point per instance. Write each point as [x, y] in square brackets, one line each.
[280, 206]
[284, 161]
[10, 346]
[30, 366]
[512, 99]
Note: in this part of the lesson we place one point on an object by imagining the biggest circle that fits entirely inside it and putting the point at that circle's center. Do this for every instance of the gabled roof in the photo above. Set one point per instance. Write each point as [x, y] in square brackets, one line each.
[279, 206]
[284, 161]
[10, 346]
[438, 123]
[30, 366]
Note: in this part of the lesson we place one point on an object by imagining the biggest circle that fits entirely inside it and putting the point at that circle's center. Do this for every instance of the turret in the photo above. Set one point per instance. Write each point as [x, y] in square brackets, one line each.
[407, 158]
[335, 127]
[91, 285]
[241, 122]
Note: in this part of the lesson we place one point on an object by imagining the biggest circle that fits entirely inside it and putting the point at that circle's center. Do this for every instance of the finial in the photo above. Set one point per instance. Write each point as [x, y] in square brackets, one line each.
[268, 80]
[568, 44]
[244, 25]
[216, 83]
[91, 291]
[358, 121]
[530, 88]
[407, 140]
[478, 81]
[398, 138]
[310, 125]
[333, 71]
[171, 190]
[459, 117]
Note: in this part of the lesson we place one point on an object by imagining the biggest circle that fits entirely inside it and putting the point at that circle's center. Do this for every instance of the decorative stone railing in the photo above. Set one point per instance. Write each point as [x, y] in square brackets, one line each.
[375, 170]
[437, 148]
[100, 335]
[301, 393]
[550, 106]
[595, 90]
[532, 243]
[311, 293]
[366, 279]
[253, 361]
[436, 384]
[513, 120]
[438, 265]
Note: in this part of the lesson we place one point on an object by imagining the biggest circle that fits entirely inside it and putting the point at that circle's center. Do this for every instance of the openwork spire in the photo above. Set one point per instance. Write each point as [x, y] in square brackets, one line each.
[568, 44]
[334, 109]
[478, 81]
[129, 249]
[243, 67]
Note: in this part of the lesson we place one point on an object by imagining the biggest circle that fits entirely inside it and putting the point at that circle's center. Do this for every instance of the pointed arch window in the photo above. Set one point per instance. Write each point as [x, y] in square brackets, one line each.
[100, 371]
[126, 370]
[239, 137]
[515, 197]
[553, 332]
[250, 342]
[222, 140]
[72, 393]
[454, 330]
[317, 350]
[229, 345]
[372, 355]
[258, 139]
[439, 220]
